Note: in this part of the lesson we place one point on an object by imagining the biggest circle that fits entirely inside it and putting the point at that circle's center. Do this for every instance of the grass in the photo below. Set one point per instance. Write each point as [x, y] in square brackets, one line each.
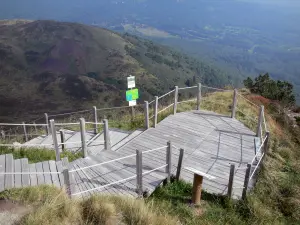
[276, 196]
[52, 206]
[35, 155]
[274, 200]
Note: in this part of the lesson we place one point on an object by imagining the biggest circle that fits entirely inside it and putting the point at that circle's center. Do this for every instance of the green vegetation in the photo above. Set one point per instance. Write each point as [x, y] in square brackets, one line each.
[61, 67]
[52, 206]
[281, 91]
[274, 200]
[297, 120]
[35, 155]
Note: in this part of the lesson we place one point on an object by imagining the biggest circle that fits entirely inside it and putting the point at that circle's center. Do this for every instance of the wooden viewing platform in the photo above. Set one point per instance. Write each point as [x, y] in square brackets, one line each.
[211, 143]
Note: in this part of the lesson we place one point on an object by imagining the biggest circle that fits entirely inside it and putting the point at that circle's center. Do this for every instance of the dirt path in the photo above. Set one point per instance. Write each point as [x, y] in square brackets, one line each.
[11, 212]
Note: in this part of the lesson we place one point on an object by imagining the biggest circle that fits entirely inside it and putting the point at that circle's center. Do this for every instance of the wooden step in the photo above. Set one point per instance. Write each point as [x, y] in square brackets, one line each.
[126, 140]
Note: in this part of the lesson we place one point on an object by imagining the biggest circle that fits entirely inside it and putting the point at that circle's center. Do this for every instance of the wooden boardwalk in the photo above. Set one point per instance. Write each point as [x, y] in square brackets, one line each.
[211, 142]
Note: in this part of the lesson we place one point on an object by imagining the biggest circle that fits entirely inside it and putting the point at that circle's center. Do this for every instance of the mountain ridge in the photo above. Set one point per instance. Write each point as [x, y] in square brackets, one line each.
[57, 66]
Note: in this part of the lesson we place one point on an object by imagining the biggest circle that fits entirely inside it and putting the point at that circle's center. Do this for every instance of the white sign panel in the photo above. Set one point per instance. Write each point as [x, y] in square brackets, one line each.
[132, 103]
[131, 82]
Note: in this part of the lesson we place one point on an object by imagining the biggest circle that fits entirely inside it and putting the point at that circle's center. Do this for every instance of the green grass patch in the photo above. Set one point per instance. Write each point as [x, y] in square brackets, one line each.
[175, 198]
[35, 155]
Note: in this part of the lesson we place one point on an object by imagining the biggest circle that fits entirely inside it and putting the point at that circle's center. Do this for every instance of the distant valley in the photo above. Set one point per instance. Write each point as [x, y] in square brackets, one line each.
[242, 37]
[49, 66]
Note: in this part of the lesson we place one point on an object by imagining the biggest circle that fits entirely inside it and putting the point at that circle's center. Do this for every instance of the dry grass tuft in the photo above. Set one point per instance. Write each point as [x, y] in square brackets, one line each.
[97, 210]
[51, 206]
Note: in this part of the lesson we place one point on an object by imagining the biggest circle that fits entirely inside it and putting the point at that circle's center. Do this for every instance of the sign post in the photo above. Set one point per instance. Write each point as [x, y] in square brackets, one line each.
[133, 94]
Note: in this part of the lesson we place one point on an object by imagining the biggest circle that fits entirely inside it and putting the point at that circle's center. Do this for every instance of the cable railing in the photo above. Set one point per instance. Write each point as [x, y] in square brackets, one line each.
[251, 168]
[139, 170]
[194, 97]
[179, 99]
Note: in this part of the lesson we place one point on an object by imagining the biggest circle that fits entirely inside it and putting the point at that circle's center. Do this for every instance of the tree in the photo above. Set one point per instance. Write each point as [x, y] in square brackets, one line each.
[248, 83]
[273, 89]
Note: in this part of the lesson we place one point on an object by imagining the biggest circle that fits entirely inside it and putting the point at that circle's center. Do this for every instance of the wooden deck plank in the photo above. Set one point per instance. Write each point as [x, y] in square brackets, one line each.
[112, 172]
[59, 168]
[18, 177]
[66, 164]
[46, 169]
[78, 187]
[126, 140]
[9, 168]
[2, 170]
[25, 169]
[33, 177]
[97, 180]
[54, 175]
[40, 175]
[128, 169]
[84, 179]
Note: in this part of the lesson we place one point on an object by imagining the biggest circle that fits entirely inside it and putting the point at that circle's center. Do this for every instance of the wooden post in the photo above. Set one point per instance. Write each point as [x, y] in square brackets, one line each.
[175, 100]
[155, 111]
[180, 159]
[197, 188]
[106, 135]
[146, 110]
[2, 134]
[139, 173]
[169, 161]
[246, 181]
[234, 102]
[67, 182]
[132, 112]
[47, 122]
[255, 148]
[260, 120]
[83, 140]
[25, 132]
[62, 139]
[199, 96]
[230, 182]
[54, 138]
[95, 120]
[35, 128]
[266, 145]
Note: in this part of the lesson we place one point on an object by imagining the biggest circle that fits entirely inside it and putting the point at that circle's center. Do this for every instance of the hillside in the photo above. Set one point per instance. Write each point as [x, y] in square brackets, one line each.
[56, 66]
[225, 33]
[274, 200]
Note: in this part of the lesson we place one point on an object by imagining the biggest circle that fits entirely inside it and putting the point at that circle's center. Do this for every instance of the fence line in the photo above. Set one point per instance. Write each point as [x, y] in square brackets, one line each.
[104, 186]
[258, 151]
[151, 171]
[191, 100]
[70, 113]
[28, 173]
[218, 89]
[103, 163]
[119, 107]
[118, 181]
[184, 88]
[248, 100]
[256, 166]
[74, 142]
[151, 102]
[66, 124]
[165, 108]
[25, 145]
[94, 123]
[264, 121]
[155, 149]
[165, 94]
[253, 119]
[22, 124]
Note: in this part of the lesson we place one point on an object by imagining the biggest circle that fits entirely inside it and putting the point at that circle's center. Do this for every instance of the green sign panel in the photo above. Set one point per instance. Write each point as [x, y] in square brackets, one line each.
[132, 94]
